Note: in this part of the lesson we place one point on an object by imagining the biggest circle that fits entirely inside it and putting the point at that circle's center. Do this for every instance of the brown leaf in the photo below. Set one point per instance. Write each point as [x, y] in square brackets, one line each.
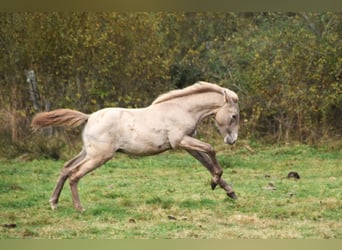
[11, 225]
[270, 186]
[293, 175]
[170, 217]
[131, 220]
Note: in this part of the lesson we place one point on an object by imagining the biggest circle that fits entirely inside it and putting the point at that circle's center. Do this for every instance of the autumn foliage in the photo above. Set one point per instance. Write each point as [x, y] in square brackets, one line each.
[286, 67]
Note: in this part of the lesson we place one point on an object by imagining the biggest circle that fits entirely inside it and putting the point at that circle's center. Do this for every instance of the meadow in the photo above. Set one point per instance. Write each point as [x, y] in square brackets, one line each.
[168, 196]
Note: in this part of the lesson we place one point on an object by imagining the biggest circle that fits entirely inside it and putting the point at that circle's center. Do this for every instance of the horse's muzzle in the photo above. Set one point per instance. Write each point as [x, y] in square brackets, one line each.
[230, 139]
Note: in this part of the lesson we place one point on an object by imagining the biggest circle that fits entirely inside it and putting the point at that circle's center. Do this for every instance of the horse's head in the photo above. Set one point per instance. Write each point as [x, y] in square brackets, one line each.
[227, 117]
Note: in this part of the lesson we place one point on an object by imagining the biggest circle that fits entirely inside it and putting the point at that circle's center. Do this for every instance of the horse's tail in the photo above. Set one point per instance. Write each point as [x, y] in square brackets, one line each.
[59, 117]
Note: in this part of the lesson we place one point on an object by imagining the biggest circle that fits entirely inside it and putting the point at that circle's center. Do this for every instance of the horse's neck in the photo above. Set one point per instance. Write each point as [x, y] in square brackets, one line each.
[203, 105]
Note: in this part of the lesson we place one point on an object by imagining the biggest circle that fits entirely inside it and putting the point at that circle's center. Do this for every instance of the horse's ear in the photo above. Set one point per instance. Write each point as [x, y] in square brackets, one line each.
[228, 98]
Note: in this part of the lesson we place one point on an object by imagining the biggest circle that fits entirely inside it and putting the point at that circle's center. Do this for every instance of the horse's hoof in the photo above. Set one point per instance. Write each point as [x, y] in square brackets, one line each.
[232, 195]
[80, 209]
[53, 205]
[213, 185]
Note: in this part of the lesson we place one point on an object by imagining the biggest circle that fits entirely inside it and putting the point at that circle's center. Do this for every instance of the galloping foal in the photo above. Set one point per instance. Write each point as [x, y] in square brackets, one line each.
[169, 122]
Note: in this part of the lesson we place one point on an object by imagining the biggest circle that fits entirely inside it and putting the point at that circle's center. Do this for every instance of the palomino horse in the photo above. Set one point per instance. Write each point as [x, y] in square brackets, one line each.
[169, 122]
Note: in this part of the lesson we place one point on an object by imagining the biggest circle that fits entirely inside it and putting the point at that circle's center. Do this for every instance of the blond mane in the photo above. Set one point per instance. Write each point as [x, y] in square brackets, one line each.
[199, 87]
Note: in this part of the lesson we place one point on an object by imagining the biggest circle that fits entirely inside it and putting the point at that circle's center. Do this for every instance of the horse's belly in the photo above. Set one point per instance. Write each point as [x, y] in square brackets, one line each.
[143, 150]
[144, 144]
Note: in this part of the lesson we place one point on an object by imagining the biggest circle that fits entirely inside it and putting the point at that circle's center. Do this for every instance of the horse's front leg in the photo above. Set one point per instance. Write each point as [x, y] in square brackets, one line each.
[190, 143]
[206, 162]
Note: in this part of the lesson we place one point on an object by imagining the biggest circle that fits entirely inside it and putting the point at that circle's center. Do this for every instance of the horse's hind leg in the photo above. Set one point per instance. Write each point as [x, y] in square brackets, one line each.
[90, 164]
[66, 171]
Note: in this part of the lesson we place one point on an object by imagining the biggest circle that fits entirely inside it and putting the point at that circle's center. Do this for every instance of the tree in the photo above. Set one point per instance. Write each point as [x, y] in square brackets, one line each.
[286, 67]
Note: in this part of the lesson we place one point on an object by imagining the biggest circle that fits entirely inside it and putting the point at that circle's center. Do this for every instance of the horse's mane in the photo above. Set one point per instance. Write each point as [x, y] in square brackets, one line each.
[199, 87]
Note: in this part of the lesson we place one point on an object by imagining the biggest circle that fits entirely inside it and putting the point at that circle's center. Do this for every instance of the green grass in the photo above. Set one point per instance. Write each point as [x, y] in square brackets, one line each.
[169, 196]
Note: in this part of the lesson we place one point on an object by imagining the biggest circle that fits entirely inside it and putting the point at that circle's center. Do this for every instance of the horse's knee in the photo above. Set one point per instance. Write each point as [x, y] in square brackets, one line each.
[210, 150]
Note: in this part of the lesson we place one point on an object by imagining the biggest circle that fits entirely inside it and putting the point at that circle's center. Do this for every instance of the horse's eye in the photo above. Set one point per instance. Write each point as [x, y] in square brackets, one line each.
[234, 117]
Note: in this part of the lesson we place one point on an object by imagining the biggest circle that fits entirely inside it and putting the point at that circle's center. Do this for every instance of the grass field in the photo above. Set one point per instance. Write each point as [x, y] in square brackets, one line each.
[169, 196]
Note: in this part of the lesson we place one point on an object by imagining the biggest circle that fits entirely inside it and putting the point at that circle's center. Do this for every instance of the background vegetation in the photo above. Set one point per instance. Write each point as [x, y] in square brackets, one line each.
[286, 68]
